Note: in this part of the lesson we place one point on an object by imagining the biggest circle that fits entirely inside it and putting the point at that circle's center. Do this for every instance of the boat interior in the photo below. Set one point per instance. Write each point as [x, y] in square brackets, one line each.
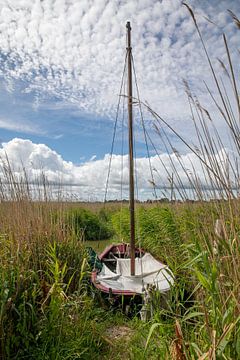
[120, 251]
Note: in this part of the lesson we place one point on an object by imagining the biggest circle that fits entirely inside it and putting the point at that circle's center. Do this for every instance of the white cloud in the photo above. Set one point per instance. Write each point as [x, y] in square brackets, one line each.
[75, 49]
[19, 126]
[93, 158]
[89, 178]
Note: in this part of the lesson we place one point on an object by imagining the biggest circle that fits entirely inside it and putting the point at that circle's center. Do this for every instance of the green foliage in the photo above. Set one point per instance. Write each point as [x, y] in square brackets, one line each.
[19, 295]
[87, 224]
[202, 308]
[46, 311]
[157, 229]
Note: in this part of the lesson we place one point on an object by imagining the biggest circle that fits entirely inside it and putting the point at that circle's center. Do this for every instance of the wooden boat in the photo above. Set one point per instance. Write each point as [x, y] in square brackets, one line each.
[115, 278]
[126, 270]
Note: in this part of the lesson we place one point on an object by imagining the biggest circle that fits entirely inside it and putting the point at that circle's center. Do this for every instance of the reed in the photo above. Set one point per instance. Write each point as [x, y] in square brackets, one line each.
[209, 230]
[43, 275]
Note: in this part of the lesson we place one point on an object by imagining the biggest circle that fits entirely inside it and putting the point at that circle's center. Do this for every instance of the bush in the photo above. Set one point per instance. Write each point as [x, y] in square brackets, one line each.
[85, 223]
[156, 229]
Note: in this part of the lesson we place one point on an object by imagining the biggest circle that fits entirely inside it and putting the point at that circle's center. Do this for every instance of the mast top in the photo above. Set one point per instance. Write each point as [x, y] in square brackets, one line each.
[128, 25]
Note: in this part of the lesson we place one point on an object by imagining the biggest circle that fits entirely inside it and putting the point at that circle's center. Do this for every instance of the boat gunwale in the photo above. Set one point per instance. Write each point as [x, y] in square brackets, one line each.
[104, 288]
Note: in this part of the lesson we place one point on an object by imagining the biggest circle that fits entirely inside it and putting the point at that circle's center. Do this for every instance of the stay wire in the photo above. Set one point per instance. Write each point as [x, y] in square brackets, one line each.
[136, 212]
[113, 140]
[122, 148]
[114, 131]
[144, 131]
[136, 175]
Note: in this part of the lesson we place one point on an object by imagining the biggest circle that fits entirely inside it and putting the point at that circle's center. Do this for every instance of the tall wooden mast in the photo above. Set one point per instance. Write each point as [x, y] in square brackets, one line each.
[131, 160]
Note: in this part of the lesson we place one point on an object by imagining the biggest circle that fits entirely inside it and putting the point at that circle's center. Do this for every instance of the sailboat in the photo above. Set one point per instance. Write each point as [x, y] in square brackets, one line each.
[123, 269]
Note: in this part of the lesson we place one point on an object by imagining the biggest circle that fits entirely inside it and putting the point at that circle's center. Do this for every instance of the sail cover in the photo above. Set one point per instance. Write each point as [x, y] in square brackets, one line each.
[148, 271]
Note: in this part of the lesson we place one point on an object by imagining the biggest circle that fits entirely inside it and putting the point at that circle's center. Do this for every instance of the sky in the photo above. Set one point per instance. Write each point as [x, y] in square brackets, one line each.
[61, 63]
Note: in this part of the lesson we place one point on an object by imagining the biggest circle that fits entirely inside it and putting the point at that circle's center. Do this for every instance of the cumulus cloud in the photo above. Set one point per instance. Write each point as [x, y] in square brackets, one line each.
[70, 53]
[89, 178]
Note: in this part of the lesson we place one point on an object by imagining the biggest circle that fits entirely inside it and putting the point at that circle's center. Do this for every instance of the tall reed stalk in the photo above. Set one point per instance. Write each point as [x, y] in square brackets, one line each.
[209, 329]
[42, 274]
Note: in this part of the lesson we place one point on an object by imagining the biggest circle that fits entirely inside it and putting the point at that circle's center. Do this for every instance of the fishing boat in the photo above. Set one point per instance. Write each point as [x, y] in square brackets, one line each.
[123, 269]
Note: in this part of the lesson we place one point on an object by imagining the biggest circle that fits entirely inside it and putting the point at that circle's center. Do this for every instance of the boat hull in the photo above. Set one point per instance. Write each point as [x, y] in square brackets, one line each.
[114, 278]
[122, 249]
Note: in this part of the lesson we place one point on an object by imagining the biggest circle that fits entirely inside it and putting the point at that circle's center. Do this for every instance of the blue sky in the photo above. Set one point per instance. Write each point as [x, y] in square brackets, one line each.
[61, 63]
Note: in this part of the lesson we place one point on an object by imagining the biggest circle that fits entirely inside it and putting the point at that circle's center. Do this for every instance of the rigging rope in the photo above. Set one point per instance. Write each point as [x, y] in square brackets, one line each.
[114, 131]
[113, 139]
[144, 130]
[122, 148]
[136, 213]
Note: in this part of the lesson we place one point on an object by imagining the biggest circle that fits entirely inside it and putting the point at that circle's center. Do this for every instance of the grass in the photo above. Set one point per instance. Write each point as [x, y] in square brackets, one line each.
[99, 245]
[46, 307]
[204, 302]
[208, 259]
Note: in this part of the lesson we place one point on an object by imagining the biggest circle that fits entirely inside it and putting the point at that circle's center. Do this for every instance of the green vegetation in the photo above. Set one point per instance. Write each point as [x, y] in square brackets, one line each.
[90, 225]
[204, 302]
[44, 302]
[157, 229]
[46, 308]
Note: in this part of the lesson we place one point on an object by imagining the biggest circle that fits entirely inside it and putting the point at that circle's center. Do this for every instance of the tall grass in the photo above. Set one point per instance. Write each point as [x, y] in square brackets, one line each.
[209, 230]
[45, 307]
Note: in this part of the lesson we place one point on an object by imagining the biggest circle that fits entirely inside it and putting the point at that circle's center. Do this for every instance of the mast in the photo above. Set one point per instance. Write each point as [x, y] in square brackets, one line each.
[131, 160]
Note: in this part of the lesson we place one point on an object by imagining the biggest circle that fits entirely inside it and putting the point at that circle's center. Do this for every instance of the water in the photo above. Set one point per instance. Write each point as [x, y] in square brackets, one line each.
[99, 245]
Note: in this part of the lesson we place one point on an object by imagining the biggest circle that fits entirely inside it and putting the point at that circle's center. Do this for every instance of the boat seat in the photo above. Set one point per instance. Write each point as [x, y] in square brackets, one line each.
[113, 256]
[109, 260]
